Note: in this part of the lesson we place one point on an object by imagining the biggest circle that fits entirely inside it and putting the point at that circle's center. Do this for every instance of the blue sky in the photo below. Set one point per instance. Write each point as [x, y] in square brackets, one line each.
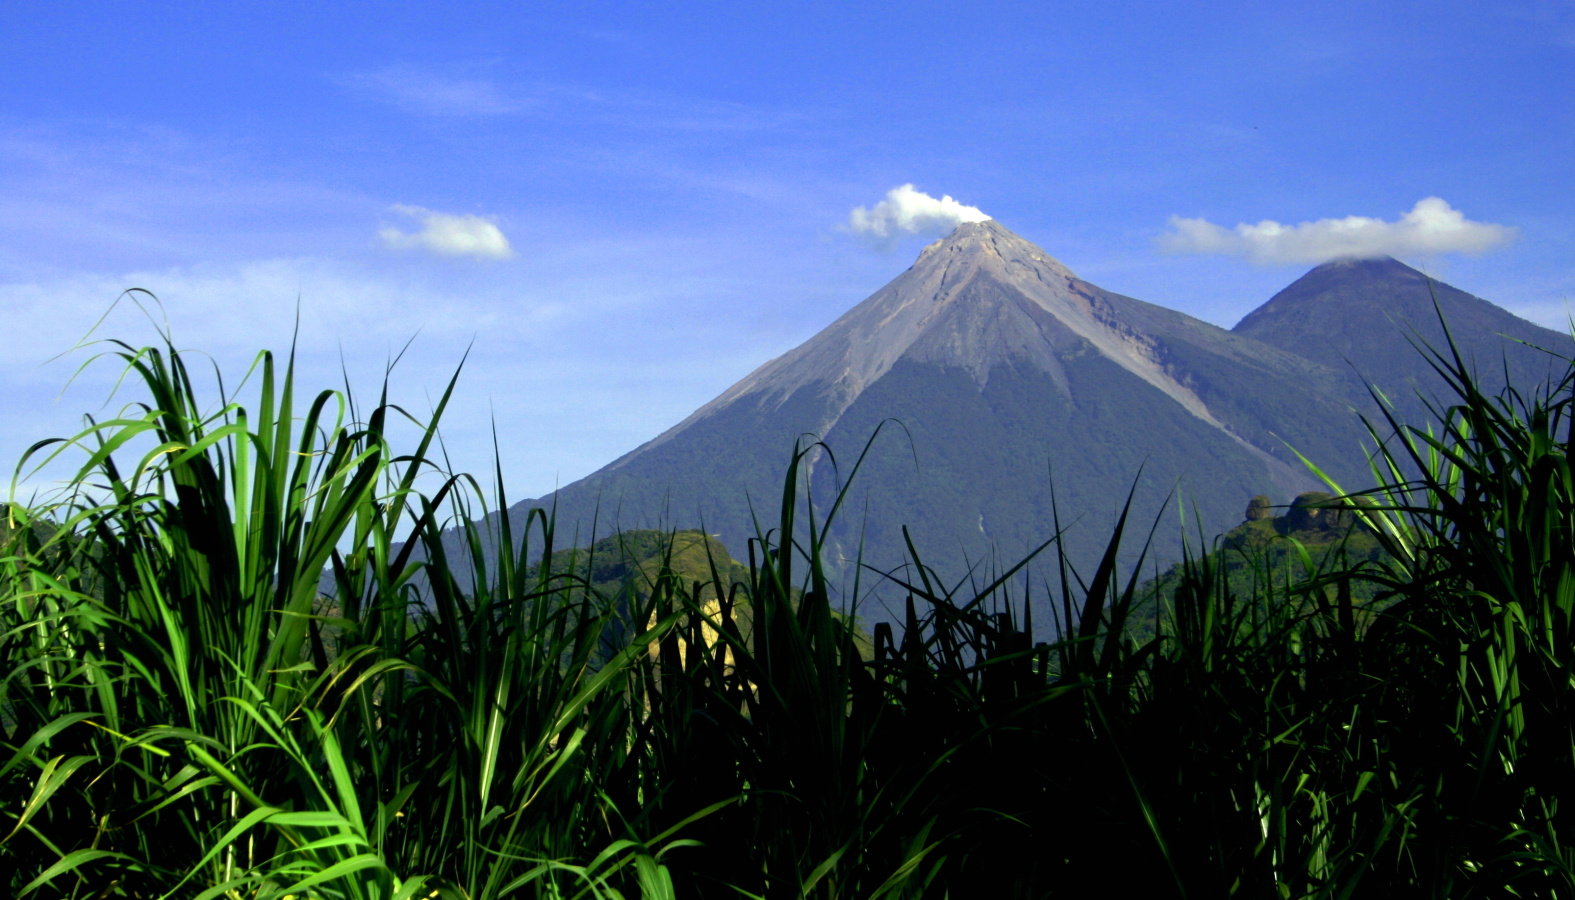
[674, 182]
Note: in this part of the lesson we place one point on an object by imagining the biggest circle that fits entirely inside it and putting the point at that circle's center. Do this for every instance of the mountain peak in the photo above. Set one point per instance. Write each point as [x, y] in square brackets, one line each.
[977, 299]
[989, 240]
[1363, 267]
[1345, 262]
[972, 299]
[1355, 313]
[1349, 294]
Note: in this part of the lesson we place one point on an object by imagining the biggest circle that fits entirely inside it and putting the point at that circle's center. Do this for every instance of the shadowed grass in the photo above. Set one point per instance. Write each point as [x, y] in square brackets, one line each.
[193, 708]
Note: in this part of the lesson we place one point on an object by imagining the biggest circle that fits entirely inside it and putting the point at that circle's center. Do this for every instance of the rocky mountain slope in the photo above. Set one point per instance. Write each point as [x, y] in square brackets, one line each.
[1008, 374]
[1005, 388]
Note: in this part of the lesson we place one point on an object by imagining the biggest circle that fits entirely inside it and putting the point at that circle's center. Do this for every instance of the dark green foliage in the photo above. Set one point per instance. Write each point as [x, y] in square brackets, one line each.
[1266, 554]
[1308, 512]
[1259, 508]
[188, 717]
[631, 564]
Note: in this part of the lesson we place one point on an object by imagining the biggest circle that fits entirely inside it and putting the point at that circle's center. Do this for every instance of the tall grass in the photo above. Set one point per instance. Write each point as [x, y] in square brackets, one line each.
[189, 715]
[193, 708]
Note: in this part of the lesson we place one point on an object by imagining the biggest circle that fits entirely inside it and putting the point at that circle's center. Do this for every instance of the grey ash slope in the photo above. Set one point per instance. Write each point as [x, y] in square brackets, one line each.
[1004, 367]
[1360, 317]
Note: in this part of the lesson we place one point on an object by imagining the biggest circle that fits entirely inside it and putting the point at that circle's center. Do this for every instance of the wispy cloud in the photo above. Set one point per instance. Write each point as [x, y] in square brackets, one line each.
[448, 235]
[434, 94]
[229, 309]
[332, 317]
[907, 210]
[429, 93]
[1431, 227]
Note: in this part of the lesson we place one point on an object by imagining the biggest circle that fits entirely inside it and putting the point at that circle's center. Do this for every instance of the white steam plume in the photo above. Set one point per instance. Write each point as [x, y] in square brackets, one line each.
[909, 211]
[449, 235]
[1432, 226]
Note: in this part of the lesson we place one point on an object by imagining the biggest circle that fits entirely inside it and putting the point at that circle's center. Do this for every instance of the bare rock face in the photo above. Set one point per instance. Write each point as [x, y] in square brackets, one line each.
[1259, 508]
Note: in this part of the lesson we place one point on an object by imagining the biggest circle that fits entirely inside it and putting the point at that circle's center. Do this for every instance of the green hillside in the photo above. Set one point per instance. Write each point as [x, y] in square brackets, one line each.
[1315, 537]
[627, 567]
[634, 561]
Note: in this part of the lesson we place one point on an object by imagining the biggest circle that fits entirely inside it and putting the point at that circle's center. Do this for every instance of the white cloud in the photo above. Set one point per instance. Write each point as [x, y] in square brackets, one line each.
[449, 235]
[1432, 226]
[909, 211]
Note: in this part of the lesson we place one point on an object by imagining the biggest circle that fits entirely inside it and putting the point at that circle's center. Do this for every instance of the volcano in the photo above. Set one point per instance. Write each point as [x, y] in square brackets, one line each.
[1020, 390]
[1374, 319]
